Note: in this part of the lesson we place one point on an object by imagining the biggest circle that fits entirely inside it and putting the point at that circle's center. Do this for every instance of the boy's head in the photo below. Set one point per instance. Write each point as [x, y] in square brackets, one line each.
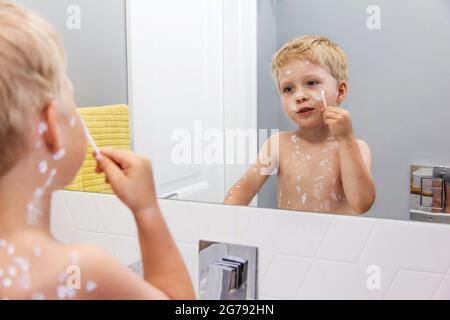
[36, 99]
[302, 69]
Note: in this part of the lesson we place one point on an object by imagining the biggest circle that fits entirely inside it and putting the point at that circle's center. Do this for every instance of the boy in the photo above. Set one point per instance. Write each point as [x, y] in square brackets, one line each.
[42, 147]
[321, 166]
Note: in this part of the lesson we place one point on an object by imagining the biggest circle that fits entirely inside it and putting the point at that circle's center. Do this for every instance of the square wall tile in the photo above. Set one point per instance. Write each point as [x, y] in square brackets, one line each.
[407, 283]
[346, 239]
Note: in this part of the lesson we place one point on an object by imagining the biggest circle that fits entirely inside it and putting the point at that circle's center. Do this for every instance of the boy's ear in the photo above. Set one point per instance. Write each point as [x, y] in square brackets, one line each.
[52, 135]
[342, 92]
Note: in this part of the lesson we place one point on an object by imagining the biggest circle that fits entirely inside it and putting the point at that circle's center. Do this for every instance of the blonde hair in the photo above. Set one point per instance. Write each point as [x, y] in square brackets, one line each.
[317, 49]
[32, 68]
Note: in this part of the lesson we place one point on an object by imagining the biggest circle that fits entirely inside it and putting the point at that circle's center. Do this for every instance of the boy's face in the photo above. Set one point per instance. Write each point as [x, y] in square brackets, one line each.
[73, 139]
[301, 85]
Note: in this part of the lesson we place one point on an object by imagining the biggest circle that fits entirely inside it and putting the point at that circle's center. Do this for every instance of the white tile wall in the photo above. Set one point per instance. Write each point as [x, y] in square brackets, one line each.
[301, 255]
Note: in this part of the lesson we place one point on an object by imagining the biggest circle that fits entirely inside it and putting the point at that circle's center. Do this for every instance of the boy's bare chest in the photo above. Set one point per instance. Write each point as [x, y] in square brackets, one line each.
[310, 168]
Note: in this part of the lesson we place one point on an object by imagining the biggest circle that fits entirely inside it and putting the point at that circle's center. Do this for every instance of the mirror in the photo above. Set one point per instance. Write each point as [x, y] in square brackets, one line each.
[203, 102]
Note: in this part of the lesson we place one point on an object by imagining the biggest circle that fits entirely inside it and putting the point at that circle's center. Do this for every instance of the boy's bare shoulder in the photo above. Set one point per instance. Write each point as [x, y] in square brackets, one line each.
[365, 151]
[363, 144]
[284, 136]
[101, 275]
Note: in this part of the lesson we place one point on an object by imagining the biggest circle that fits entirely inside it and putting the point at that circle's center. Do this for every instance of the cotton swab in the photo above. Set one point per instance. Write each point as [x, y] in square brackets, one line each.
[324, 100]
[91, 140]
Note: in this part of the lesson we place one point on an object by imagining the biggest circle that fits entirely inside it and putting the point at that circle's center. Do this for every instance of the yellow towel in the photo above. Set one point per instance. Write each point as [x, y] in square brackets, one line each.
[110, 127]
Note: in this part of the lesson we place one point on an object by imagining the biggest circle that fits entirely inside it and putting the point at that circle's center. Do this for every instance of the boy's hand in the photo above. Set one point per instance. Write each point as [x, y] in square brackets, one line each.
[339, 121]
[130, 176]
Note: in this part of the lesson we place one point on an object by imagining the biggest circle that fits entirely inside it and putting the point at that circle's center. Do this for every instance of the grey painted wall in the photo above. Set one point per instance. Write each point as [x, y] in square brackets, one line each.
[97, 55]
[267, 93]
[399, 82]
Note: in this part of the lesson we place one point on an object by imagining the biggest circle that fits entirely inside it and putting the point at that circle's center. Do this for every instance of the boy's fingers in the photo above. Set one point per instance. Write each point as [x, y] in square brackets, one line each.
[113, 173]
[328, 115]
[121, 157]
[334, 110]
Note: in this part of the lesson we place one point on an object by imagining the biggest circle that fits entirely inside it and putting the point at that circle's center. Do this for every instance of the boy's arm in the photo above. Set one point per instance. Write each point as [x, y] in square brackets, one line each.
[354, 158]
[267, 162]
[131, 178]
[359, 187]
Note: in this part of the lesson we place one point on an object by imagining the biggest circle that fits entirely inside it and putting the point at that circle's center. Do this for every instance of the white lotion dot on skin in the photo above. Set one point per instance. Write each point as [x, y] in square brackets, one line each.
[12, 271]
[42, 128]
[22, 263]
[7, 283]
[25, 281]
[37, 251]
[50, 178]
[304, 198]
[73, 122]
[91, 286]
[43, 167]
[64, 293]
[59, 155]
[11, 250]
[39, 193]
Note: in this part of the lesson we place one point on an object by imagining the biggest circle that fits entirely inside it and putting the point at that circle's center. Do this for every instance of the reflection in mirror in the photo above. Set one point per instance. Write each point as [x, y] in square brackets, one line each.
[234, 98]
[333, 123]
[320, 166]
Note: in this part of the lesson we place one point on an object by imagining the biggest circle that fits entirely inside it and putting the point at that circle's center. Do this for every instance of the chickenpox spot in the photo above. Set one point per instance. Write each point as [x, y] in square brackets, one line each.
[25, 281]
[334, 196]
[304, 198]
[12, 271]
[22, 263]
[37, 251]
[42, 128]
[59, 155]
[7, 283]
[73, 122]
[64, 293]
[43, 167]
[11, 250]
[91, 286]
[295, 139]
